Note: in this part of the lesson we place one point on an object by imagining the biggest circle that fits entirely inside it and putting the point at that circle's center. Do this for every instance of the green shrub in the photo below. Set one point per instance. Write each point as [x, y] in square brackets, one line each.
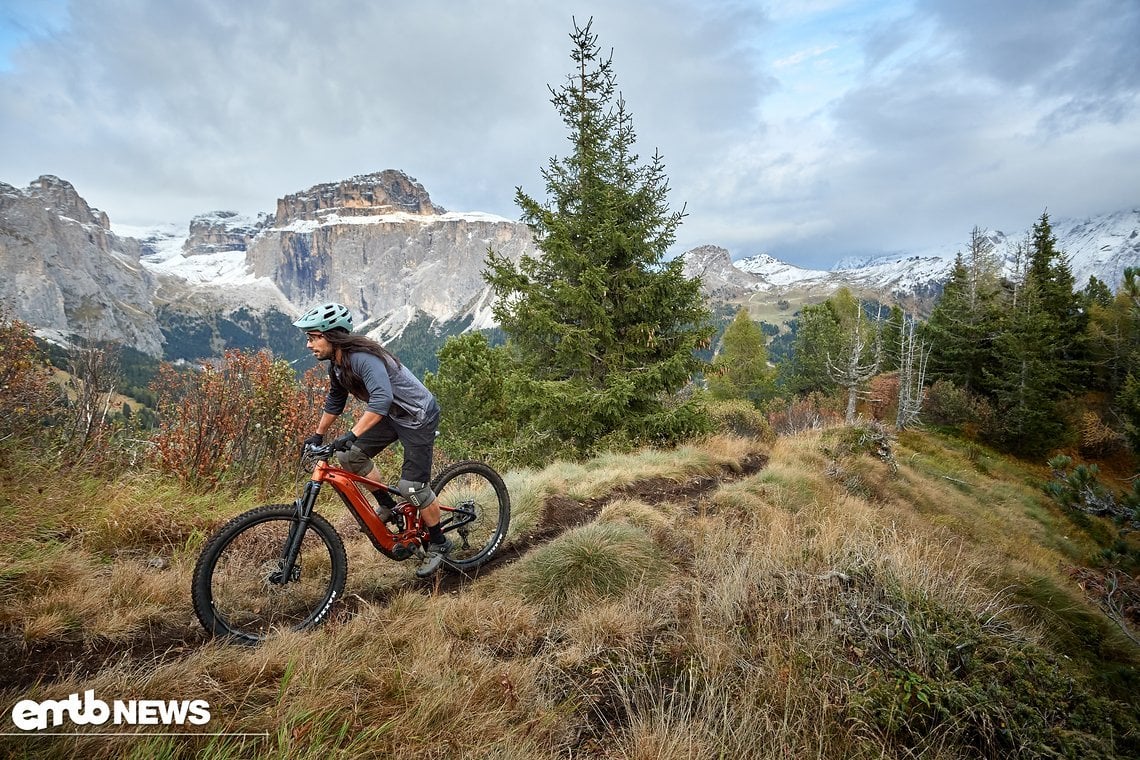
[951, 406]
[949, 678]
[741, 418]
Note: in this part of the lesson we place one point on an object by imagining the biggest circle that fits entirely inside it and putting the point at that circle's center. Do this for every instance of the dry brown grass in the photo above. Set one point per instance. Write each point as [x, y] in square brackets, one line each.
[749, 626]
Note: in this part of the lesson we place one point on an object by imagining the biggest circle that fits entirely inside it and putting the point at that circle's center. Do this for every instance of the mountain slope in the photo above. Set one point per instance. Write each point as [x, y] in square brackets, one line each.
[65, 271]
[846, 599]
[409, 269]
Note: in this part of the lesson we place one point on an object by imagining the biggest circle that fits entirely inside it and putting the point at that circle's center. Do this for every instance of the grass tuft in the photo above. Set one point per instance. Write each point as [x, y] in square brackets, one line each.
[588, 564]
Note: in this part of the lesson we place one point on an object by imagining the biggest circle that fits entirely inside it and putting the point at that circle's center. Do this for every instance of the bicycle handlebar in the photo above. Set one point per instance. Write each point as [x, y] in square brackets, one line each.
[320, 452]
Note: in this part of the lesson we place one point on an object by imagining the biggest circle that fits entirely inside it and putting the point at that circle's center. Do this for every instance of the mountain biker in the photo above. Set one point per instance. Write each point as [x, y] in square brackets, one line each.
[397, 407]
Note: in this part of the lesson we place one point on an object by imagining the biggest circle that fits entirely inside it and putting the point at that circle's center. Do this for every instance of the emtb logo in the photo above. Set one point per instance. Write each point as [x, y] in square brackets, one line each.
[30, 715]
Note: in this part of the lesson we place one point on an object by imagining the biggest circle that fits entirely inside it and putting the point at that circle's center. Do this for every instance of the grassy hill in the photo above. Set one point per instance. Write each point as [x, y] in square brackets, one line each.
[835, 594]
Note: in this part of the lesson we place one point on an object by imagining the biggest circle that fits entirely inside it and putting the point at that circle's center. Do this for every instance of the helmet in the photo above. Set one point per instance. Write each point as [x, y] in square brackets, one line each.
[327, 316]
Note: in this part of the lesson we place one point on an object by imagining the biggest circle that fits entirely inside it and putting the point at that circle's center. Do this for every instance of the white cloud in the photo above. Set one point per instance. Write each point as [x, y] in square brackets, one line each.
[807, 131]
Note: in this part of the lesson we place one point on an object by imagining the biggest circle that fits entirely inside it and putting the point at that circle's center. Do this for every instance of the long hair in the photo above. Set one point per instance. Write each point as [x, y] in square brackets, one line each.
[345, 343]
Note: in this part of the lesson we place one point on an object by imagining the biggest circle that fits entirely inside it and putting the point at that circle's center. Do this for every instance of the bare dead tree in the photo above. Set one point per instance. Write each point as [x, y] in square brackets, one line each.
[853, 369]
[94, 370]
[913, 355]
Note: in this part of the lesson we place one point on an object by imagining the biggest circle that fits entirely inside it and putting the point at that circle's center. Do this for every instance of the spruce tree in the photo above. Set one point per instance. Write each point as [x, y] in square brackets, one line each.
[600, 326]
[819, 334]
[894, 329]
[1040, 358]
[965, 321]
[1113, 332]
[740, 370]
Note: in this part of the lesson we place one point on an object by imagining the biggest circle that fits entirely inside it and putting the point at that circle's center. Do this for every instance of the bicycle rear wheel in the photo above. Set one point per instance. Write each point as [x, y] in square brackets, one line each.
[476, 511]
[238, 589]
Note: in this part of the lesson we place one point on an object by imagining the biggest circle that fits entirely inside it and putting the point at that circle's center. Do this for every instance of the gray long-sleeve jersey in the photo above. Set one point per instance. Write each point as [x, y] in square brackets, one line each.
[393, 391]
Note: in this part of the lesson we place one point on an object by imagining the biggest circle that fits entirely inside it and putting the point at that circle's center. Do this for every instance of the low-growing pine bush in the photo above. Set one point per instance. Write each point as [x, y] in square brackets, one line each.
[740, 417]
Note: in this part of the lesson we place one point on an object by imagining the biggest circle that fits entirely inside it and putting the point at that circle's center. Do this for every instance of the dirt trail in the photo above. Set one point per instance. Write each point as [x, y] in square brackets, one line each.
[169, 640]
[561, 513]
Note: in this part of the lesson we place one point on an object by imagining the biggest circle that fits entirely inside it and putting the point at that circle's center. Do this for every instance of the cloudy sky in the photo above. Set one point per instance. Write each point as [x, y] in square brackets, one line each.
[806, 129]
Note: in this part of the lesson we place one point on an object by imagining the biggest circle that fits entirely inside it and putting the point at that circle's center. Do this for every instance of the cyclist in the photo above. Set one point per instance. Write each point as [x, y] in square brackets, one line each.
[397, 407]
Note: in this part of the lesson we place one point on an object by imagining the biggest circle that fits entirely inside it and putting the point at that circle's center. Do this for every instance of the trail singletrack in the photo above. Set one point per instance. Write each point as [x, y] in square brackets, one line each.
[168, 640]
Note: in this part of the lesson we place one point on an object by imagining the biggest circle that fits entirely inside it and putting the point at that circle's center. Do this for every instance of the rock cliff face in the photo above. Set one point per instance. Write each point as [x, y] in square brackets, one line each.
[388, 253]
[375, 242]
[221, 232]
[388, 191]
[720, 279]
[65, 271]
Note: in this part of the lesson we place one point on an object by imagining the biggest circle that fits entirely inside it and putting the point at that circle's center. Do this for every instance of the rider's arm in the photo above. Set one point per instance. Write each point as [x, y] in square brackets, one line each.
[326, 422]
[365, 421]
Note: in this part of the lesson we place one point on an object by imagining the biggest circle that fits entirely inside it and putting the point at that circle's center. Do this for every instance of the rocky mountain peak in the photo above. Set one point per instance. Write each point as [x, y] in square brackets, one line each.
[61, 196]
[222, 231]
[705, 256]
[66, 272]
[373, 194]
[720, 278]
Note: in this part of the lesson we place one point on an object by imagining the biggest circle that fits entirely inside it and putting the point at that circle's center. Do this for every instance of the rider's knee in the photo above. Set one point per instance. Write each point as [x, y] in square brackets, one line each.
[355, 460]
[419, 494]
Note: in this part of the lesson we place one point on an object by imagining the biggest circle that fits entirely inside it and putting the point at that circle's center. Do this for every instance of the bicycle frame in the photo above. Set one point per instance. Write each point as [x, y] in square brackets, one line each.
[347, 486]
[397, 546]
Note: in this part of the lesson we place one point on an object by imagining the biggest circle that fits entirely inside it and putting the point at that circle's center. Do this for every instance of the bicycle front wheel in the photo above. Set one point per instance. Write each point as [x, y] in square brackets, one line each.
[239, 588]
[476, 511]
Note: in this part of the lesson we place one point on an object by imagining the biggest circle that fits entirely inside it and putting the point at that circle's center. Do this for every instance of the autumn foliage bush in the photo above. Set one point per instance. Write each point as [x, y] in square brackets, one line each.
[237, 423]
[811, 412]
[28, 397]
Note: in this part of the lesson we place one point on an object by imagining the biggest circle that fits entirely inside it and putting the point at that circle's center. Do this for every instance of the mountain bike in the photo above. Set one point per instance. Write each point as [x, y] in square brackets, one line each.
[283, 566]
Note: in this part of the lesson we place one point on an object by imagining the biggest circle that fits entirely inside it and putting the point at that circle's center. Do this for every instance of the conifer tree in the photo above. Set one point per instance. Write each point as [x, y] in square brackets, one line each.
[1059, 308]
[1039, 358]
[741, 369]
[893, 340]
[601, 327]
[470, 385]
[965, 321]
[1114, 333]
[817, 334]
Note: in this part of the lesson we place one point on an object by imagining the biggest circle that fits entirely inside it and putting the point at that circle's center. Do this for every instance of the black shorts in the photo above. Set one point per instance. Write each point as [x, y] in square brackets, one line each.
[418, 445]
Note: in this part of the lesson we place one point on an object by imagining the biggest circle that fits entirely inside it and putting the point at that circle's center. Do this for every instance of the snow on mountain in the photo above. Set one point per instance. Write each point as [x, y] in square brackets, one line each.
[1100, 246]
[332, 219]
[158, 242]
[777, 272]
[164, 253]
[168, 254]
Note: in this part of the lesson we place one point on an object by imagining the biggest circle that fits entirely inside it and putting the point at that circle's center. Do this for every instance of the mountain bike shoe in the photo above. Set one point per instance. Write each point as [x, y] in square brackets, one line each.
[433, 557]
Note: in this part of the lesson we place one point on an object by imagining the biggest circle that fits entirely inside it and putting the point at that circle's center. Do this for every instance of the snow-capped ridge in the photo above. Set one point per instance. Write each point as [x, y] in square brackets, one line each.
[1100, 247]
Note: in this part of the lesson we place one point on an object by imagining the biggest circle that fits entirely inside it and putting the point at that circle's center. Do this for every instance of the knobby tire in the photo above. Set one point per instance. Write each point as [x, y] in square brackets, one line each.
[233, 590]
[475, 489]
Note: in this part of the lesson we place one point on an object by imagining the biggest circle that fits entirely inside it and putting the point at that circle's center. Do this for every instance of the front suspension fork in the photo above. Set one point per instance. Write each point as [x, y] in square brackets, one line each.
[289, 570]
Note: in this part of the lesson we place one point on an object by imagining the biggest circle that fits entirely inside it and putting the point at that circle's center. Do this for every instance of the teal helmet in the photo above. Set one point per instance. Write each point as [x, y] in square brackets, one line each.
[327, 316]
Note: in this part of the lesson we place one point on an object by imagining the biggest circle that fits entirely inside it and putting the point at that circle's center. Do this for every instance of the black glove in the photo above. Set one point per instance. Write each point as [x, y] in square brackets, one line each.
[344, 443]
[316, 439]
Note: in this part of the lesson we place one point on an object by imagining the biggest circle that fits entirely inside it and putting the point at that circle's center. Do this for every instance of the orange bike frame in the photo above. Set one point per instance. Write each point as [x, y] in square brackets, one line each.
[346, 484]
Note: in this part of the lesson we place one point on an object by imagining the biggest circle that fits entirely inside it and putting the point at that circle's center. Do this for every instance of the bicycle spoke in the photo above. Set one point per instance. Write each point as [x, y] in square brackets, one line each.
[241, 590]
[475, 509]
